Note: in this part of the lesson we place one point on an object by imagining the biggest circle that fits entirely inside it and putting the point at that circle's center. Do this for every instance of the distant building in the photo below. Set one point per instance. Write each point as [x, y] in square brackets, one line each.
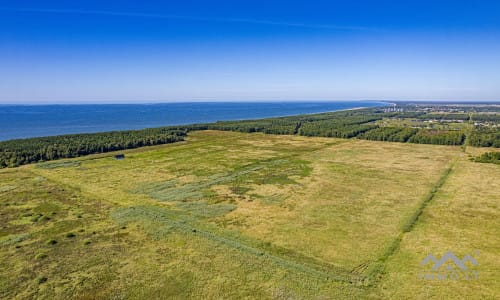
[120, 156]
[393, 109]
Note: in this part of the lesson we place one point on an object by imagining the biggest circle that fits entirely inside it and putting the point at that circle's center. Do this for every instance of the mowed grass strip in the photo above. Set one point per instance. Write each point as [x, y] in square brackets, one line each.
[161, 221]
[354, 203]
[463, 218]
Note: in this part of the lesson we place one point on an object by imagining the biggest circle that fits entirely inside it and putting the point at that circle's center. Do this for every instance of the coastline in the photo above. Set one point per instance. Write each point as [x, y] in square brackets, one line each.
[52, 120]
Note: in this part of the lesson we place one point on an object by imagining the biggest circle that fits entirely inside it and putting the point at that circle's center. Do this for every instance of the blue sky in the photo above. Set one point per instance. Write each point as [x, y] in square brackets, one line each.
[157, 51]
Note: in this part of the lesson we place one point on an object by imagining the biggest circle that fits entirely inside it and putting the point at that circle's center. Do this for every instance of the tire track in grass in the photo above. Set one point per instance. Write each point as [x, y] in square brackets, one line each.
[175, 221]
[324, 272]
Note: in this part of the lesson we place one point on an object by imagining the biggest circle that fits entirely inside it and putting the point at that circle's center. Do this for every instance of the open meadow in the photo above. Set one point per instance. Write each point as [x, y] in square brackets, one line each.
[238, 215]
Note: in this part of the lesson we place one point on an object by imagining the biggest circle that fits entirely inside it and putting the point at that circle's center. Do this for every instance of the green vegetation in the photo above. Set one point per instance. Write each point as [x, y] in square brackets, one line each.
[229, 215]
[58, 164]
[481, 130]
[14, 153]
[485, 137]
[438, 137]
[463, 218]
[389, 134]
[489, 157]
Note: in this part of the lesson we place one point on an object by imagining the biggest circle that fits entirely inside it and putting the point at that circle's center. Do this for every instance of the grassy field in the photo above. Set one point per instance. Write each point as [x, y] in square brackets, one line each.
[234, 215]
[463, 218]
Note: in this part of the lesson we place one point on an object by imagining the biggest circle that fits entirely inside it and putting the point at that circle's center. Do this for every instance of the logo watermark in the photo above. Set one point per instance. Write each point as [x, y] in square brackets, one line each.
[450, 267]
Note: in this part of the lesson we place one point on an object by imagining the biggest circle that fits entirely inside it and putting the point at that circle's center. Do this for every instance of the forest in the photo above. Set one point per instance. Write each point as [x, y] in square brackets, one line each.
[485, 137]
[14, 153]
[342, 124]
[389, 134]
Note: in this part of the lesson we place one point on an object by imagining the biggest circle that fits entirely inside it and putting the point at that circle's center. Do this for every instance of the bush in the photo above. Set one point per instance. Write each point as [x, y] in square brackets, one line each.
[489, 157]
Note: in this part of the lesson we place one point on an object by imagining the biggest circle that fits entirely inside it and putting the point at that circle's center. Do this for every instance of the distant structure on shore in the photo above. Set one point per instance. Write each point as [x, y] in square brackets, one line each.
[393, 109]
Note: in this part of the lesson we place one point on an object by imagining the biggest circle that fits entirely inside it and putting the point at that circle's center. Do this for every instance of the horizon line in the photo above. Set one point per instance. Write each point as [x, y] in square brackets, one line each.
[390, 101]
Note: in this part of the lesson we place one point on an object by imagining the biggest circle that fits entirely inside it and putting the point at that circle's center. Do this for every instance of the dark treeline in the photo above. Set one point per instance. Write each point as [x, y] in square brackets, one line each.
[270, 126]
[438, 137]
[446, 117]
[332, 129]
[346, 127]
[359, 123]
[343, 124]
[14, 153]
[389, 134]
[495, 118]
[485, 137]
[406, 114]
[489, 157]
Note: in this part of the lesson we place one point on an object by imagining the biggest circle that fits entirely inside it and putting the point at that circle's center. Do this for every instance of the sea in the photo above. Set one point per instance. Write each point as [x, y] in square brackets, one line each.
[25, 121]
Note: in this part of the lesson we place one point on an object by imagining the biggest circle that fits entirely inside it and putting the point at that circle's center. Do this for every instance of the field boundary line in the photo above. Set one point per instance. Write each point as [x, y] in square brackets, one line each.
[378, 266]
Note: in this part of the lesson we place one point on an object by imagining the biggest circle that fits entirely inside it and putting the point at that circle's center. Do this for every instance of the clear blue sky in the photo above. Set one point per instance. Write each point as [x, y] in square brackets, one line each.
[153, 51]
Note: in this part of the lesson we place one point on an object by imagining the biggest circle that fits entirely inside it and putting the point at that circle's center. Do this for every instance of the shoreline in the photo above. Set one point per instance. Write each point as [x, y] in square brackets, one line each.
[199, 123]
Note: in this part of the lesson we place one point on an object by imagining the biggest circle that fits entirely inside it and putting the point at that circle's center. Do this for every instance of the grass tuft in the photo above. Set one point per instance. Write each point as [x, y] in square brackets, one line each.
[51, 242]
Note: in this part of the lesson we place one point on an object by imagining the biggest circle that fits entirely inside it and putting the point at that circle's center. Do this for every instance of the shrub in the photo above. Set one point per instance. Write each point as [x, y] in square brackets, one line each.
[489, 157]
